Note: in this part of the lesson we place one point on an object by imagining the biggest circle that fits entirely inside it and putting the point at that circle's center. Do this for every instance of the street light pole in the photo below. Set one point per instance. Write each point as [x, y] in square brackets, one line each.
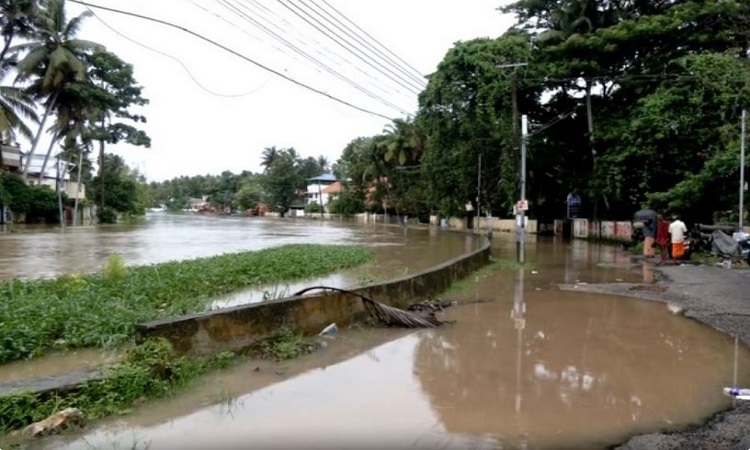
[742, 165]
[521, 207]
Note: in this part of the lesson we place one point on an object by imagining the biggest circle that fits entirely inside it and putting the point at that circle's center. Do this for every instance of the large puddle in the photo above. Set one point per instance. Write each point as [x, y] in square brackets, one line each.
[529, 367]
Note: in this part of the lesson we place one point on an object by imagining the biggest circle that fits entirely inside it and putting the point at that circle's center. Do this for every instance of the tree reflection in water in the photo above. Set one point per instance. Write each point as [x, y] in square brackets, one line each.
[570, 369]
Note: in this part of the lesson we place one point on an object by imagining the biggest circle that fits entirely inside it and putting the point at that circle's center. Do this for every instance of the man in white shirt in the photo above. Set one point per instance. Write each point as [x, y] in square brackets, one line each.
[677, 229]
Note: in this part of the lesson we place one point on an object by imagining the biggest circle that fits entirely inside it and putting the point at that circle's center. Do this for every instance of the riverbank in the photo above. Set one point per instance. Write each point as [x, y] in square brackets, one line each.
[714, 296]
[102, 309]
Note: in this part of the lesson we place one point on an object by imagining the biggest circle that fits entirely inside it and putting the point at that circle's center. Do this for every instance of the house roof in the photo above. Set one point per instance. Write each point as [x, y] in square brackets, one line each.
[324, 177]
[334, 188]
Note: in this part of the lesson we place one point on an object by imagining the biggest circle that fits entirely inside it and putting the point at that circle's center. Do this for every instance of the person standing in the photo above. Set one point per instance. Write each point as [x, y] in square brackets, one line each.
[649, 233]
[574, 204]
[662, 237]
[677, 229]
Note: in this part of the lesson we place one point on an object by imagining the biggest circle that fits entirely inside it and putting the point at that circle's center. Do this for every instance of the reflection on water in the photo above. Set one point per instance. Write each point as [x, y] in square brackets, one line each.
[532, 369]
[571, 370]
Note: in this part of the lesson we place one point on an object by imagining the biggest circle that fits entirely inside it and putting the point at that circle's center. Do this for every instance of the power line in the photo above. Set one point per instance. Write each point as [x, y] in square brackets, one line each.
[177, 60]
[315, 44]
[294, 9]
[373, 39]
[235, 9]
[234, 52]
[408, 82]
[382, 56]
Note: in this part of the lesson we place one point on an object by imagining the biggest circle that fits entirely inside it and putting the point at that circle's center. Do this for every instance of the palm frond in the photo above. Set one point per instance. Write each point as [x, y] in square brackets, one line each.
[31, 62]
[74, 25]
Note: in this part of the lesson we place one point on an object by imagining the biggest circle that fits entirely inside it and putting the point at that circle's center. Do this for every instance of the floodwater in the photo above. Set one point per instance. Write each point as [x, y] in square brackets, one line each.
[35, 252]
[525, 366]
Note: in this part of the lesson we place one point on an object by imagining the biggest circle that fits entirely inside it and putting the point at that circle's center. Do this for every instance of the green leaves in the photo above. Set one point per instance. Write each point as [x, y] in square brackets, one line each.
[102, 309]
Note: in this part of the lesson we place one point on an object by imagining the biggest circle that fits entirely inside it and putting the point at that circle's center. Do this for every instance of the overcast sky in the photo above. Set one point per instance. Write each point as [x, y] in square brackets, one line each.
[221, 114]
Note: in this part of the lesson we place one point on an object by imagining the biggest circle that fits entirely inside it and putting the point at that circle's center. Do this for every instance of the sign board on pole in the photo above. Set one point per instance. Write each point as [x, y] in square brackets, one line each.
[522, 205]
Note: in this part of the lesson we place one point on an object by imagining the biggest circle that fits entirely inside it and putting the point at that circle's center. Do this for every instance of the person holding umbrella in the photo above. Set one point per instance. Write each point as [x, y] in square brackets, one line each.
[649, 235]
[648, 218]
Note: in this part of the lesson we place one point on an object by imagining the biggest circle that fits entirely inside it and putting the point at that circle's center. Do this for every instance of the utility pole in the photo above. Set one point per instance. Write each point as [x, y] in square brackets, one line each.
[742, 165]
[514, 99]
[479, 189]
[521, 217]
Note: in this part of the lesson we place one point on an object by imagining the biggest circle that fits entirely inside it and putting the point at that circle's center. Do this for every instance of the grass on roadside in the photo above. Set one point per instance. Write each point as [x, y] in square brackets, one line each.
[102, 309]
[150, 370]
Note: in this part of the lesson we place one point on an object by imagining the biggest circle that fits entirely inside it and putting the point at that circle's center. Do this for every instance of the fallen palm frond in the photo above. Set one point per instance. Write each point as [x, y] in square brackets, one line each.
[388, 315]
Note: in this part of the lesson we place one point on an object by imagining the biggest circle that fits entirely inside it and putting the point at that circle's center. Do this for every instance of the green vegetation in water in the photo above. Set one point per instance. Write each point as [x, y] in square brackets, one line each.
[284, 344]
[150, 370]
[102, 309]
[494, 265]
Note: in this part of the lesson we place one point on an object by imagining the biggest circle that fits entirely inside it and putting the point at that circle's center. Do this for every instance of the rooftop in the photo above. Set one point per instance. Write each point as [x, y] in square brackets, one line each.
[324, 177]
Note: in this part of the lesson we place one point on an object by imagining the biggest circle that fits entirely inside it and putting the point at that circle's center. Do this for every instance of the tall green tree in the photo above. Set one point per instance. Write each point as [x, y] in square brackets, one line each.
[282, 182]
[466, 111]
[53, 57]
[115, 91]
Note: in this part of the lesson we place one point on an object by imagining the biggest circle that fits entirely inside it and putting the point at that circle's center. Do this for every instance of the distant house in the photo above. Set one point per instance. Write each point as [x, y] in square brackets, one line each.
[371, 194]
[316, 189]
[332, 192]
[198, 204]
[10, 158]
[13, 159]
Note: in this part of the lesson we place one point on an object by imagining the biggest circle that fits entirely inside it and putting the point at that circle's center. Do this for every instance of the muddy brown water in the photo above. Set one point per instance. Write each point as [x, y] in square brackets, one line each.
[528, 367]
[34, 252]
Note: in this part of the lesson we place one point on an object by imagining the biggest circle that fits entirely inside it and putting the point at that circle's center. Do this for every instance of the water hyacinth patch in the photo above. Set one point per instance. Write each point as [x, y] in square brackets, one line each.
[101, 309]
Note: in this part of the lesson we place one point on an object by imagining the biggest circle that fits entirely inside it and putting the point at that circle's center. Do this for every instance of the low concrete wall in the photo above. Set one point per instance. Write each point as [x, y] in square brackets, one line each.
[236, 328]
[585, 228]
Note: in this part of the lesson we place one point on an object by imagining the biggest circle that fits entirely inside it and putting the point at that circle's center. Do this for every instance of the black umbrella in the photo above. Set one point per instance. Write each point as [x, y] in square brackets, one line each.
[644, 214]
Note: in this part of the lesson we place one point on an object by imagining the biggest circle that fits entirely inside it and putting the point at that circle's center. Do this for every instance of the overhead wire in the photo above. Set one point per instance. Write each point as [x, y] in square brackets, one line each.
[177, 60]
[417, 85]
[319, 48]
[325, 30]
[420, 81]
[373, 39]
[234, 52]
[234, 8]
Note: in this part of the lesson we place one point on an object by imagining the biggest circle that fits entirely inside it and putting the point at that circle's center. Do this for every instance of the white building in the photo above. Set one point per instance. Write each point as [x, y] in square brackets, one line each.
[316, 189]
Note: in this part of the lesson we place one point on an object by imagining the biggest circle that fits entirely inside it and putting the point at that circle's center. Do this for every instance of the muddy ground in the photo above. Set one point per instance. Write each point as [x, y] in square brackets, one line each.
[719, 298]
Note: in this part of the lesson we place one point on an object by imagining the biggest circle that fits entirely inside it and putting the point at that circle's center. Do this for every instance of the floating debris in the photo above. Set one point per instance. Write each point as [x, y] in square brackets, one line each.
[738, 393]
[388, 315]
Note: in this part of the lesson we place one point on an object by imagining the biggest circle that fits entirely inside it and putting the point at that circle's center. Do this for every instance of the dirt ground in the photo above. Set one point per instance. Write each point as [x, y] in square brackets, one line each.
[719, 298]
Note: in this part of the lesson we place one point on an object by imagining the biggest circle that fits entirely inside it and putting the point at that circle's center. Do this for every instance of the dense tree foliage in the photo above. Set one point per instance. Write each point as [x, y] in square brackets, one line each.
[32, 203]
[87, 91]
[635, 103]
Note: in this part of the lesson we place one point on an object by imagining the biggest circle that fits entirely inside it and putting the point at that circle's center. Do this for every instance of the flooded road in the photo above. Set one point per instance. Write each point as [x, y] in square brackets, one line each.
[531, 367]
[161, 237]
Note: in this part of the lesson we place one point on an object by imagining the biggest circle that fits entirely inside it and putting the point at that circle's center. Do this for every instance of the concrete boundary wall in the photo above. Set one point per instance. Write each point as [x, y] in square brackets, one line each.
[238, 327]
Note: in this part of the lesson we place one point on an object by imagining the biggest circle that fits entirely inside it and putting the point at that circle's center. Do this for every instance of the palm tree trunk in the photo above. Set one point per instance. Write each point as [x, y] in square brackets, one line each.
[46, 158]
[59, 195]
[101, 170]
[47, 110]
[78, 186]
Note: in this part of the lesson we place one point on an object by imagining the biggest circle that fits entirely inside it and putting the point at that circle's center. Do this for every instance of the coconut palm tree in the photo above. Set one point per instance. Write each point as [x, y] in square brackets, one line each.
[17, 18]
[269, 156]
[403, 141]
[53, 58]
[15, 105]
